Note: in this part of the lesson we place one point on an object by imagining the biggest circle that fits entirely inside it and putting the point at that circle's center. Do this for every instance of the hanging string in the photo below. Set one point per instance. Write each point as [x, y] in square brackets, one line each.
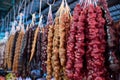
[24, 11]
[40, 7]
[31, 6]
[68, 8]
[61, 7]
[8, 22]
[27, 11]
[21, 17]
[20, 6]
[14, 13]
[10, 18]
[33, 15]
[95, 2]
[40, 15]
[5, 23]
[50, 17]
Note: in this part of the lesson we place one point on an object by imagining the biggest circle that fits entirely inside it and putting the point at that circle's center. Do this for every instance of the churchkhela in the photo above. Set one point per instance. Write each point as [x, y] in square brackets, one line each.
[81, 46]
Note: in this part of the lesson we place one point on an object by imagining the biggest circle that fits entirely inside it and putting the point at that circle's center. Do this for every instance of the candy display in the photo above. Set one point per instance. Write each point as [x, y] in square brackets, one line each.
[81, 43]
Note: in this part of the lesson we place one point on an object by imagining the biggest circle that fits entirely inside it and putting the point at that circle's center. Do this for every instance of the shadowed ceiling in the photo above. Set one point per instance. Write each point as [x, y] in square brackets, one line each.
[7, 5]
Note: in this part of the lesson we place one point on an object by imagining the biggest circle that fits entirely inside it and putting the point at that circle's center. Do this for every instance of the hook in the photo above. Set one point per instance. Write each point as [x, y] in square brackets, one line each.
[49, 3]
[31, 7]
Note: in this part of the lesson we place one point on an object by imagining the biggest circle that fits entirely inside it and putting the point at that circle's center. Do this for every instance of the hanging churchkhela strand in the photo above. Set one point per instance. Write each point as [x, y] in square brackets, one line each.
[45, 38]
[6, 53]
[80, 45]
[71, 44]
[22, 59]
[64, 24]
[9, 47]
[44, 48]
[17, 51]
[49, 52]
[14, 45]
[95, 44]
[9, 60]
[38, 50]
[18, 46]
[111, 41]
[55, 53]
[49, 44]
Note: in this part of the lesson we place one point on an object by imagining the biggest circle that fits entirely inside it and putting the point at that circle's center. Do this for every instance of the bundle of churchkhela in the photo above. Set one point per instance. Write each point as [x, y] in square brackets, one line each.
[57, 36]
[64, 24]
[49, 46]
[112, 42]
[49, 53]
[22, 59]
[87, 37]
[45, 40]
[18, 49]
[8, 51]
[96, 44]
[78, 47]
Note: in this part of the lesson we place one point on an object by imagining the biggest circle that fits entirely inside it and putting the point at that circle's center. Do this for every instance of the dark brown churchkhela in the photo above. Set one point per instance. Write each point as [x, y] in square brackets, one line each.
[17, 51]
[23, 55]
[29, 47]
[30, 64]
[38, 50]
[44, 48]
[14, 45]
[114, 64]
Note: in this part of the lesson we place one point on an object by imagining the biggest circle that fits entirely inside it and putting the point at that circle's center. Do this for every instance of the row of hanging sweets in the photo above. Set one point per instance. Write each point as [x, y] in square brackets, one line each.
[78, 47]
